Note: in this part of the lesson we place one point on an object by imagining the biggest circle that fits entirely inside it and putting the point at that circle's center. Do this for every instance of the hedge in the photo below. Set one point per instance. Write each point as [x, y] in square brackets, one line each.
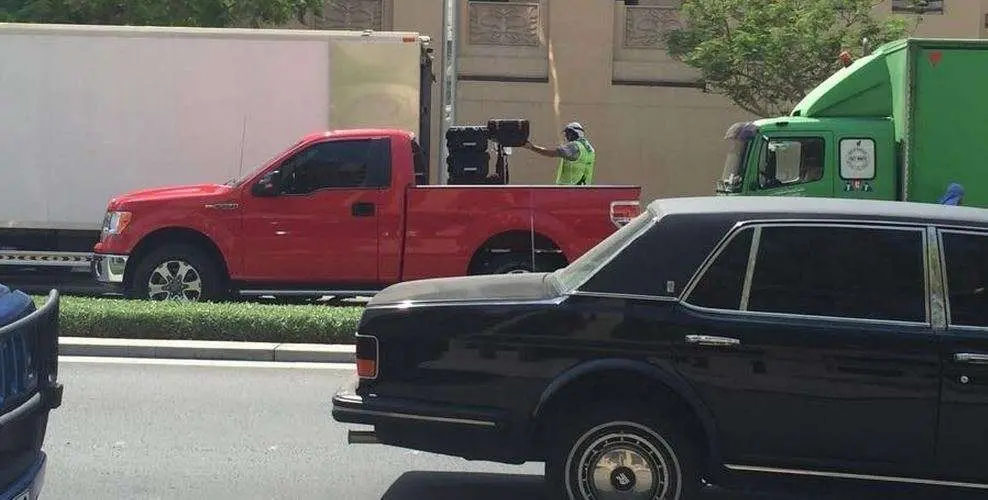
[239, 321]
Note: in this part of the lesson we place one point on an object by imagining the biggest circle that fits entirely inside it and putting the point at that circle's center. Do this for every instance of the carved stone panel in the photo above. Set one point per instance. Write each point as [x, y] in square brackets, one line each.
[506, 24]
[645, 27]
[352, 15]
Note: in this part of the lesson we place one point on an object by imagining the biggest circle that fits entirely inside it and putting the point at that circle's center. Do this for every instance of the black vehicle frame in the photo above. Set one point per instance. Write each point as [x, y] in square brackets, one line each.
[720, 337]
[29, 390]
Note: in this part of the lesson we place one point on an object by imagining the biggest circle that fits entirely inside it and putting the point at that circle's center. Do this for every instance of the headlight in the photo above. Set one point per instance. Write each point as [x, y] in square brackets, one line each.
[115, 222]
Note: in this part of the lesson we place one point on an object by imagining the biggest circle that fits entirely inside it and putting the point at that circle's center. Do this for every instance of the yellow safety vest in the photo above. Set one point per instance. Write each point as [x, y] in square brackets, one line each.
[580, 170]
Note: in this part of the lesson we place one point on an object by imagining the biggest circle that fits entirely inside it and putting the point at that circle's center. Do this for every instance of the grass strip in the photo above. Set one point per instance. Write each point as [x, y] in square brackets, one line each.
[237, 321]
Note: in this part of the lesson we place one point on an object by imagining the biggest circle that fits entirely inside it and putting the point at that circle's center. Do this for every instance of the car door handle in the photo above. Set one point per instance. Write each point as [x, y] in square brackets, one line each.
[362, 209]
[971, 358]
[712, 341]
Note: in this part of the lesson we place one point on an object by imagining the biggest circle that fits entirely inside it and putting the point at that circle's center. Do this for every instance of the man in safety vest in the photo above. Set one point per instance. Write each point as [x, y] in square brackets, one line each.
[576, 156]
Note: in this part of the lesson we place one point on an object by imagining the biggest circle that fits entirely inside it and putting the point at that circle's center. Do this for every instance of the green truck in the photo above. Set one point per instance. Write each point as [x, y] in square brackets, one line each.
[903, 123]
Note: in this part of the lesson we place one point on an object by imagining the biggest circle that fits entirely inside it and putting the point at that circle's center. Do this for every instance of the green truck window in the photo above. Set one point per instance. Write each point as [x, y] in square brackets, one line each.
[791, 160]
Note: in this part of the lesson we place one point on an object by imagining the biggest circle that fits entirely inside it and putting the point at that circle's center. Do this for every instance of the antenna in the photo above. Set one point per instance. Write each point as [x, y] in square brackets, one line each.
[243, 139]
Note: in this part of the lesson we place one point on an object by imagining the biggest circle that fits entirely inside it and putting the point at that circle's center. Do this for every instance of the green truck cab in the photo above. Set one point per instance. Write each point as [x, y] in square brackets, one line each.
[900, 124]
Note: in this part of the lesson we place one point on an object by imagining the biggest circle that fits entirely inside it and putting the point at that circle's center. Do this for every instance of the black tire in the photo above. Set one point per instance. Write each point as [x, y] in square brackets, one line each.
[210, 275]
[517, 262]
[670, 466]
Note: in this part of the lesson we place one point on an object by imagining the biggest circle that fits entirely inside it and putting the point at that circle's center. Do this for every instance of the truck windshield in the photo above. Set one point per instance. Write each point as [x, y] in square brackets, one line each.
[738, 137]
[237, 181]
[576, 273]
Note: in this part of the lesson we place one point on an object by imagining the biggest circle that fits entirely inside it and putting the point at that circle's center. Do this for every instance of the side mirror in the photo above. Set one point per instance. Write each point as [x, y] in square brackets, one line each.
[268, 186]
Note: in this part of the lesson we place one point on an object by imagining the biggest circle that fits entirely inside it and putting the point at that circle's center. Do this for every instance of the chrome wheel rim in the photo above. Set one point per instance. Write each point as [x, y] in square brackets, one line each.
[175, 280]
[618, 462]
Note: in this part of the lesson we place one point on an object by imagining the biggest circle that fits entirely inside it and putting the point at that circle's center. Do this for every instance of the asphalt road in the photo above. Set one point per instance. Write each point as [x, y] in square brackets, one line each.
[153, 430]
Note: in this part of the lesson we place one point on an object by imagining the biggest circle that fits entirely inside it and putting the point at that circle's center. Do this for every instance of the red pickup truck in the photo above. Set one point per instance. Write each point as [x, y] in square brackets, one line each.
[343, 213]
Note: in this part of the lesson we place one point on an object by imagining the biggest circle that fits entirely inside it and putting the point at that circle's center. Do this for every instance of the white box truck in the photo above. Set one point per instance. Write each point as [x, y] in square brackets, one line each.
[93, 111]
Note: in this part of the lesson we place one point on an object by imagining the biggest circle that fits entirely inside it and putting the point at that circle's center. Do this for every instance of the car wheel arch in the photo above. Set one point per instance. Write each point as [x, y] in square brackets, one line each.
[561, 391]
[174, 234]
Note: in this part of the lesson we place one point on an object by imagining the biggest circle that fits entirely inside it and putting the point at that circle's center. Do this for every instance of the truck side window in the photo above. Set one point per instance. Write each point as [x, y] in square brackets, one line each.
[354, 164]
[966, 256]
[830, 271]
[788, 161]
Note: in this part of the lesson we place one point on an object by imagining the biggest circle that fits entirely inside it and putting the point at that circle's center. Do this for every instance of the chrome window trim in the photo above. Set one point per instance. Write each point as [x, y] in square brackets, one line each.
[835, 319]
[848, 475]
[724, 242]
[741, 226]
[749, 271]
[632, 296]
[936, 298]
[409, 304]
[949, 324]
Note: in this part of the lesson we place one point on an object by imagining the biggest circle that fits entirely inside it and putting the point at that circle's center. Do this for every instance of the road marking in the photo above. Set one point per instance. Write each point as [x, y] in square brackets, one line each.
[208, 362]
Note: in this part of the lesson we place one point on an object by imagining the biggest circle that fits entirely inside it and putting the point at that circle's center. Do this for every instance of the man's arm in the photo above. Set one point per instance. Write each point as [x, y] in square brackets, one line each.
[568, 151]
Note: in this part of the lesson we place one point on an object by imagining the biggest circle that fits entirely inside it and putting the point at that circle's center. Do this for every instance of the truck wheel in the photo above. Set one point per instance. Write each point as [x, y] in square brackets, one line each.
[181, 273]
[510, 263]
[622, 453]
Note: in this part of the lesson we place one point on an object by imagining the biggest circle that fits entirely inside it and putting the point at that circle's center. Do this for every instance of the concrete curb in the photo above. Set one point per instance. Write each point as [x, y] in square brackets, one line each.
[206, 349]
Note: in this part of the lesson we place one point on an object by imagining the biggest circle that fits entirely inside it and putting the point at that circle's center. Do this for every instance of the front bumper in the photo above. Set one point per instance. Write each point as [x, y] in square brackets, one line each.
[472, 433]
[28, 486]
[109, 268]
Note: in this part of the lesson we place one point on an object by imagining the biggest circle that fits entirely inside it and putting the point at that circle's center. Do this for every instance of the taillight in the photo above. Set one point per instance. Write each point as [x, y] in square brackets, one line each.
[367, 356]
[623, 211]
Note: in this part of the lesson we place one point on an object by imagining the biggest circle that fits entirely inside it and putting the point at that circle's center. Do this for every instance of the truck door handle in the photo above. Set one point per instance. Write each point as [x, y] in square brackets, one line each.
[362, 209]
[712, 341]
[971, 358]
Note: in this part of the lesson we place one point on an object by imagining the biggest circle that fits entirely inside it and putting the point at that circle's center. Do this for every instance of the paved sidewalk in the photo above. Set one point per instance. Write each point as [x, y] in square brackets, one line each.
[206, 349]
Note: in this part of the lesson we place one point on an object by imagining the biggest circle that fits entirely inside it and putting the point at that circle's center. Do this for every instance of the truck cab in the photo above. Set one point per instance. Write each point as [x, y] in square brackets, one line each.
[902, 123]
[798, 156]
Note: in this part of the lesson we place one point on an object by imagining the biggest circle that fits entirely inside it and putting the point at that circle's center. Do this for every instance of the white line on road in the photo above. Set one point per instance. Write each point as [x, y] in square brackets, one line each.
[207, 362]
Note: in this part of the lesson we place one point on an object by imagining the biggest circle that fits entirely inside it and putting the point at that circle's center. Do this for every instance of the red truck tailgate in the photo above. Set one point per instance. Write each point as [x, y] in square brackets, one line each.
[447, 225]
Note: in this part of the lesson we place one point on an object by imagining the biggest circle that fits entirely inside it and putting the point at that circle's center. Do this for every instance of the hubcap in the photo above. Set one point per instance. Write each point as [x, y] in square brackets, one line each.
[175, 280]
[623, 466]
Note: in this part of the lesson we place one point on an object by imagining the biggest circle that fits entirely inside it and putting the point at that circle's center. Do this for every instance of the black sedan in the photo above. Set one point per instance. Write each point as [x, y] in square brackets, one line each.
[716, 339]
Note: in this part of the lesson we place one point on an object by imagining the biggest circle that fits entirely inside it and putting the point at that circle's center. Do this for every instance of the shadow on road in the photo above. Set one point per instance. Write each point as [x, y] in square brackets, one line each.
[460, 485]
[419, 485]
[486, 486]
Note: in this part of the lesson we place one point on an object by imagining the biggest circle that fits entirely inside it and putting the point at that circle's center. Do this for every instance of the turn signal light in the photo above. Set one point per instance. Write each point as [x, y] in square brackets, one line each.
[366, 355]
[623, 211]
[366, 368]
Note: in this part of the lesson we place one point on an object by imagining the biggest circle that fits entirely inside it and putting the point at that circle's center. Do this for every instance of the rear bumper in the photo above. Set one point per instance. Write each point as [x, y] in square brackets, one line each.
[28, 485]
[471, 433]
[109, 268]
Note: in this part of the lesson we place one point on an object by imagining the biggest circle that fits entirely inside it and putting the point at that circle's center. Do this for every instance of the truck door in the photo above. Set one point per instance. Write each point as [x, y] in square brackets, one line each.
[797, 165]
[322, 228]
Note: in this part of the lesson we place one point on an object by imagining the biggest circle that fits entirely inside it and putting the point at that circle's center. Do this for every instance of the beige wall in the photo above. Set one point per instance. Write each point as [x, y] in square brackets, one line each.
[603, 65]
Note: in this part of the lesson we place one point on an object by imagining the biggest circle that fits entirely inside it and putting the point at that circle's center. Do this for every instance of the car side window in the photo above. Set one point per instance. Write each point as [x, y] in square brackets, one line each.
[840, 271]
[338, 164]
[789, 161]
[966, 265]
[721, 284]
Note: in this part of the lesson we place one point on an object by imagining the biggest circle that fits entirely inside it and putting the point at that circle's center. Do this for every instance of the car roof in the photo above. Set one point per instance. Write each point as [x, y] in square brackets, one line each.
[789, 207]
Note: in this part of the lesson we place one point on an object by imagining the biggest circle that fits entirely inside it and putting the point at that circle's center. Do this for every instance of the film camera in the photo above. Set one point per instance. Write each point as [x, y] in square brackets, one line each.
[470, 152]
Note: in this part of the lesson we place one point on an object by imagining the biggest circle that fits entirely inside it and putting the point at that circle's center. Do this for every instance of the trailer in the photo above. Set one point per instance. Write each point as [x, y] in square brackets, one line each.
[94, 111]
